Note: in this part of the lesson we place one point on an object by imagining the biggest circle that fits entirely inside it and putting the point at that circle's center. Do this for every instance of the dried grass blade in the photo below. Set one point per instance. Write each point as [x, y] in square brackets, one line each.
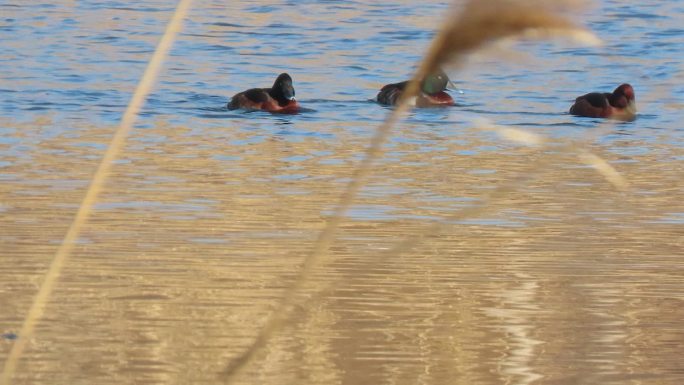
[96, 185]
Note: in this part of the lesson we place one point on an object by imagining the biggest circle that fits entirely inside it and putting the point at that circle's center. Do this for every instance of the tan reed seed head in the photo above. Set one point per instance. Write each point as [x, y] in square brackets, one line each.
[479, 23]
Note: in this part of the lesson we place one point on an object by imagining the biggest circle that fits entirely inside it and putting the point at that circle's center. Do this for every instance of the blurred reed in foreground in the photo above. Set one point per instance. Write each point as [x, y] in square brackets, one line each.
[95, 188]
[466, 29]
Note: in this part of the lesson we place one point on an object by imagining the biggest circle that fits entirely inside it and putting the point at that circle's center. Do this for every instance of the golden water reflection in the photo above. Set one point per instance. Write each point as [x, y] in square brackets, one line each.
[563, 281]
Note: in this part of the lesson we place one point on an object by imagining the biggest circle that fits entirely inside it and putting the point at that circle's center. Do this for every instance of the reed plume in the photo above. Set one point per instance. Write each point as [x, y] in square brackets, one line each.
[481, 22]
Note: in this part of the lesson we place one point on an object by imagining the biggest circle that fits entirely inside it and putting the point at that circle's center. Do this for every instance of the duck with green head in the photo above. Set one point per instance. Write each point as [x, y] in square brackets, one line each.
[431, 92]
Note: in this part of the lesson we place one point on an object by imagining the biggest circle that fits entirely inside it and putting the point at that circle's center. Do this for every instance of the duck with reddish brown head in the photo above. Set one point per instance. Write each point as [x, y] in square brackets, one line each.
[431, 92]
[620, 105]
[279, 98]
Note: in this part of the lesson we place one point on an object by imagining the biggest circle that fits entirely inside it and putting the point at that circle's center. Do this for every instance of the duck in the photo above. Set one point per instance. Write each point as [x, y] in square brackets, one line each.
[279, 98]
[431, 92]
[619, 105]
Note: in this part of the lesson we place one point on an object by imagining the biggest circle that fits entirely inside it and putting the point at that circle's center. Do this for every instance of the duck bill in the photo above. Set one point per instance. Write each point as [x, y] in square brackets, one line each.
[631, 107]
[451, 86]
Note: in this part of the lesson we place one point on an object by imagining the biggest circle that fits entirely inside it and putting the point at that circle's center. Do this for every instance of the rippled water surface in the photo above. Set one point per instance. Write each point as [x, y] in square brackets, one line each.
[467, 259]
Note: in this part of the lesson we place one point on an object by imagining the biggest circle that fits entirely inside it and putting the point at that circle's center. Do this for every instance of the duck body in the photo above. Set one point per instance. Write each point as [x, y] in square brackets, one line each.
[620, 104]
[390, 95]
[280, 98]
[431, 92]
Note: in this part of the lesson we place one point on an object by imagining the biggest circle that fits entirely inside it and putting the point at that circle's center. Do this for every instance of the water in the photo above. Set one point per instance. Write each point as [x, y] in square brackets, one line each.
[208, 214]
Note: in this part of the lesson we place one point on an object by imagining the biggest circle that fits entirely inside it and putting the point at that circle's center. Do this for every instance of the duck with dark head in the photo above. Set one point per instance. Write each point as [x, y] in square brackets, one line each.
[279, 98]
[431, 92]
[620, 105]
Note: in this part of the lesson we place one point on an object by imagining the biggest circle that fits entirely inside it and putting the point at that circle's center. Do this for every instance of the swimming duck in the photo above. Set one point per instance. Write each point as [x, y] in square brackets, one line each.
[431, 92]
[619, 105]
[279, 98]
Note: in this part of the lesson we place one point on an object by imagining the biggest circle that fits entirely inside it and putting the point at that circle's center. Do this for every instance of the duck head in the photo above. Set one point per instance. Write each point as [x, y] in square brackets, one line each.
[623, 97]
[434, 82]
[282, 89]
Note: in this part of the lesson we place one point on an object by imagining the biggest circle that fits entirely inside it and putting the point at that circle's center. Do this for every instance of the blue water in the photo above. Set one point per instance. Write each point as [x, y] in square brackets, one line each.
[74, 66]
[79, 63]
[209, 213]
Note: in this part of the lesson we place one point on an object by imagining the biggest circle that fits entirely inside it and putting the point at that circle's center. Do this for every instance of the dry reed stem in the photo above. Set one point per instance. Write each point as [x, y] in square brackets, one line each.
[96, 185]
[530, 139]
[480, 22]
[323, 242]
[603, 168]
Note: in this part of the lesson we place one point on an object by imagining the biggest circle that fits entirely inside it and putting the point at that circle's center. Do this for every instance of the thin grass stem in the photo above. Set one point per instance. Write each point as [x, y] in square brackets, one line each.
[65, 249]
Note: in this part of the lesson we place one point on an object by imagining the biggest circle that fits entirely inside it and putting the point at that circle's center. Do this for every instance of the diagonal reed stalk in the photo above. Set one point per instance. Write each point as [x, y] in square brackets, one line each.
[65, 249]
[527, 174]
[478, 23]
[599, 164]
[325, 239]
